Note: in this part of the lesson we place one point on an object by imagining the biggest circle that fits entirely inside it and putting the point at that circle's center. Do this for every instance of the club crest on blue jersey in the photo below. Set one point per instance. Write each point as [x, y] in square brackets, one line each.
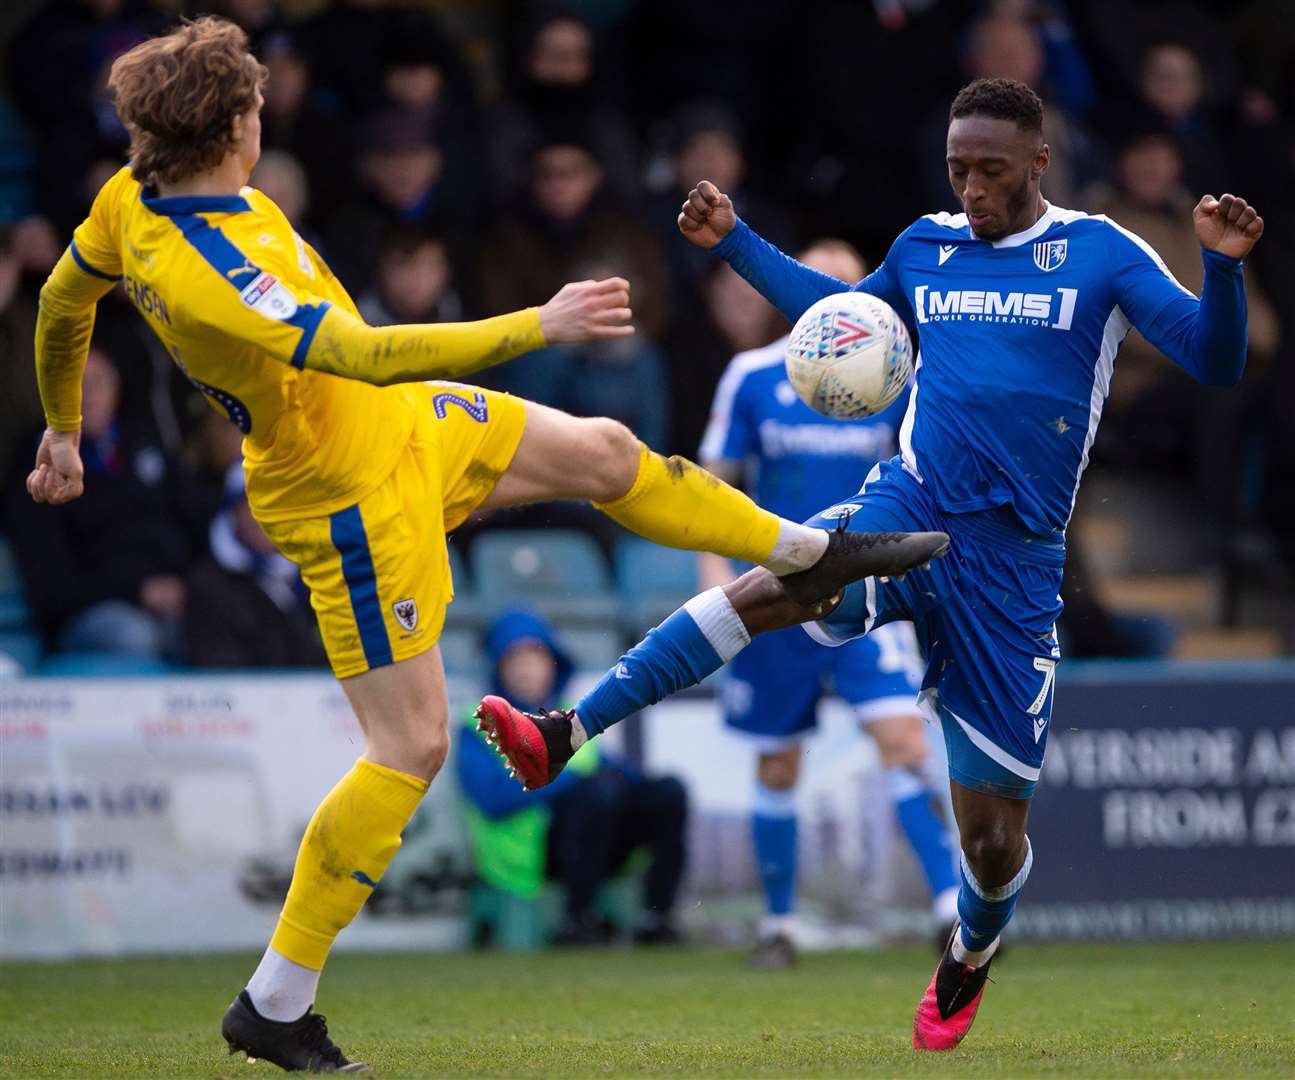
[1049, 254]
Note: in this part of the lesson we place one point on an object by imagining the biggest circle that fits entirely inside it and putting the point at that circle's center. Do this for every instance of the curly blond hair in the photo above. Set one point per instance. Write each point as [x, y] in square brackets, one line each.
[178, 96]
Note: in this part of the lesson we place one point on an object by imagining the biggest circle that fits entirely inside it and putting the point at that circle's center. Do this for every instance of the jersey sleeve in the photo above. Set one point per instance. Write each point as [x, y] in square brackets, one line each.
[730, 431]
[300, 328]
[96, 242]
[884, 284]
[87, 270]
[1206, 337]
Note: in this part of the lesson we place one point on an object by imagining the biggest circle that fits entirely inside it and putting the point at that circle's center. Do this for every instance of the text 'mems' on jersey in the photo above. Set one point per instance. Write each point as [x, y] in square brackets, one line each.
[235, 296]
[1017, 343]
[798, 461]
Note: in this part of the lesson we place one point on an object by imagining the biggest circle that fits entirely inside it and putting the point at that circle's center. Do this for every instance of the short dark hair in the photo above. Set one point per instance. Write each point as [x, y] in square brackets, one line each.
[1003, 99]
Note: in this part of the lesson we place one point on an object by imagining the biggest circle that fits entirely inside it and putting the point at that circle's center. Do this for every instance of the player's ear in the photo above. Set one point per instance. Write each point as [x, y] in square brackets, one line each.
[1040, 163]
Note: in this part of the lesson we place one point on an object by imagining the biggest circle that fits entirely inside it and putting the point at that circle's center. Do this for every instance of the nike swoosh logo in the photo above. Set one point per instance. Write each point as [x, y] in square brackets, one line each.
[946, 252]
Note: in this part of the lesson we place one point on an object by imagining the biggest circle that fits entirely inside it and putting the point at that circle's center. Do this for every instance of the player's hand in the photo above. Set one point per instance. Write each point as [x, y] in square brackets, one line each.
[707, 215]
[57, 478]
[588, 311]
[1228, 225]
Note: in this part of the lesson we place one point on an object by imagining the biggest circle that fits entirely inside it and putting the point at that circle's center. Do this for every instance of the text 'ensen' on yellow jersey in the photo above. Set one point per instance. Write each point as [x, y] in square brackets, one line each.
[236, 297]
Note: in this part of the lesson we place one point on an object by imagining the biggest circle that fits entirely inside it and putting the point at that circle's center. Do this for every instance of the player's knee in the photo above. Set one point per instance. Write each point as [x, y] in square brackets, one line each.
[994, 850]
[901, 741]
[611, 458]
[426, 749]
[779, 771]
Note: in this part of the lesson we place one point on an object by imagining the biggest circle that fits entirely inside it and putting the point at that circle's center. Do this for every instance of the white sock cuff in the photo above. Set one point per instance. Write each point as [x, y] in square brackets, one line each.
[770, 802]
[719, 622]
[1000, 892]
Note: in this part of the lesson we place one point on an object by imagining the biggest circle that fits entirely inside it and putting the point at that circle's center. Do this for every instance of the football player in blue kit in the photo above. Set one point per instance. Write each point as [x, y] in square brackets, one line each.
[1020, 307]
[790, 456]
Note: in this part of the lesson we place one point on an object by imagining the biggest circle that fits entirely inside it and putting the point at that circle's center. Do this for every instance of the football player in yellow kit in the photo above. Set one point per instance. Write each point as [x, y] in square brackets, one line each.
[358, 461]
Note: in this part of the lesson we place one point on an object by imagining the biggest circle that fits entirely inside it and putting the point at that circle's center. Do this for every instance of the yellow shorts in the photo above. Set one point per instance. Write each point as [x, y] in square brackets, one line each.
[379, 571]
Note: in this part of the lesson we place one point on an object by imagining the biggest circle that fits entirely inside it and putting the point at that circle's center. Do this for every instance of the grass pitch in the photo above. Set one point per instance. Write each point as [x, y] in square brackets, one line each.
[1217, 1010]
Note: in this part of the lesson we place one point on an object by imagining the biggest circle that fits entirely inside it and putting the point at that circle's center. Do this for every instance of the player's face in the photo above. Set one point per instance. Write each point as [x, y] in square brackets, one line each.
[994, 168]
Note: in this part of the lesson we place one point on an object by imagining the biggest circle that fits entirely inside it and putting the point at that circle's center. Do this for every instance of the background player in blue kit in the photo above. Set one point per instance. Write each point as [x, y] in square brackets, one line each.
[790, 456]
[1020, 307]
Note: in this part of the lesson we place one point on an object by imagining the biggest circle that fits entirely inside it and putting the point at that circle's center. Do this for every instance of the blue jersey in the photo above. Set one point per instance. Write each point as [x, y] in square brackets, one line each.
[793, 455]
[1017, 344]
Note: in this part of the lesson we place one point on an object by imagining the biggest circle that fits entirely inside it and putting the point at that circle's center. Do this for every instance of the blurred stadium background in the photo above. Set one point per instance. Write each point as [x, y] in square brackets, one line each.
[456, 159]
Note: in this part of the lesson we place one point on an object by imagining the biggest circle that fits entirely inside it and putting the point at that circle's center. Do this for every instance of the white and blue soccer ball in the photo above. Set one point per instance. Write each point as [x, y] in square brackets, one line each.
[849, 356]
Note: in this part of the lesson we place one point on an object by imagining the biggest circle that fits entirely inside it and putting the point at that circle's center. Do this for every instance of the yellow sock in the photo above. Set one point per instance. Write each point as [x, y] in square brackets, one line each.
[348, 844]
[675, 503]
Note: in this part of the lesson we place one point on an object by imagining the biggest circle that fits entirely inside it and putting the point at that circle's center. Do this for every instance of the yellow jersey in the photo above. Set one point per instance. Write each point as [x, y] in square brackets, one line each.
[257, 321]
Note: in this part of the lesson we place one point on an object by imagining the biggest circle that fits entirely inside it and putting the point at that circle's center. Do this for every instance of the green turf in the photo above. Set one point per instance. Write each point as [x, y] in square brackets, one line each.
[1220, 1010]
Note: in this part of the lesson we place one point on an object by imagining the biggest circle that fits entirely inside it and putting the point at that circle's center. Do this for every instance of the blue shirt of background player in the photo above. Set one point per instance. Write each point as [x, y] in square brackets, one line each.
[795, 459]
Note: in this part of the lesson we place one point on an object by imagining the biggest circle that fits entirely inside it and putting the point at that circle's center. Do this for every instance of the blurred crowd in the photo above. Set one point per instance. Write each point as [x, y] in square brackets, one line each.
[458, 159]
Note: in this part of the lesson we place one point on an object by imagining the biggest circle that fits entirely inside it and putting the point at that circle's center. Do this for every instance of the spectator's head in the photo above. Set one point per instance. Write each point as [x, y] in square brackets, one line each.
[100, 394]
[1150, 170]
[413, 63]
[246, 530]
[400, 161]
[709, 148]
[414, 274]
[531, 669]
[251, 15]
[1171, 80]
[282, 178]
[565, 177]
[1003, 47]
[191, 101]
[743, 317]
[561, 53]
[836, 258]
[288, 79]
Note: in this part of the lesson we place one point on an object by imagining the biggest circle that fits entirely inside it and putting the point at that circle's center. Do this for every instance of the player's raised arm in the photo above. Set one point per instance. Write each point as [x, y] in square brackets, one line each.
[86, 272]
[707, 219]
[580, 311]
[1205, 337]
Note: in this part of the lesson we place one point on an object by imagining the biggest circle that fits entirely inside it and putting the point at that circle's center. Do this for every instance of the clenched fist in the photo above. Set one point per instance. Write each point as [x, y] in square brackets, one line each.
[587, 311]
[58, 476]
[707, 215]
[1228, 225]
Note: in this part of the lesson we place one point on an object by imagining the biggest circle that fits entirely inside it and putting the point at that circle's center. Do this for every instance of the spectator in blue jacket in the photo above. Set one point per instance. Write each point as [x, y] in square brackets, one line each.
[581, 829]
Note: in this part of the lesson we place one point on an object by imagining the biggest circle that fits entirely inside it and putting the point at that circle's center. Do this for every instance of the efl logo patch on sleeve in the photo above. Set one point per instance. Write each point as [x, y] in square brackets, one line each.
[268, 296]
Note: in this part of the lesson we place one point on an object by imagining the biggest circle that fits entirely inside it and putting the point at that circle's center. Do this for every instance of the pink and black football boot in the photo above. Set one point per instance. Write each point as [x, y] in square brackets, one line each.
[947, 1009]
[536, 746]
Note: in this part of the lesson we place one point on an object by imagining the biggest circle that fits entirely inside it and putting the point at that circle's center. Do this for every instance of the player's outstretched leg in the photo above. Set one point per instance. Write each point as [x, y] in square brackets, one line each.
[673, 502]
[697, 640]
[996, 861]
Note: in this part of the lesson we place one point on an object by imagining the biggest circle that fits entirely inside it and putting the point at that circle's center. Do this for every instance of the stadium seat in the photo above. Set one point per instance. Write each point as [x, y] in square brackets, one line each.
[14, 613]
[591, 648]
[23, 647]
[96, 663]
[461, 652]
[465, 611]
[652, 581]
[559, 572]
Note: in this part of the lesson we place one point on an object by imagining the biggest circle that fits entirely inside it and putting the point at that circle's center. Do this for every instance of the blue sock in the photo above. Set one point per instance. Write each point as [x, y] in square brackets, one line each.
[926, 833]
[773, 825]
[698, 639]
[984, 912]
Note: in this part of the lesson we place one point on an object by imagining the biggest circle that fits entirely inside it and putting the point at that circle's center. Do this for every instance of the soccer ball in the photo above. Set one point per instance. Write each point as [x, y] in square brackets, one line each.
[849, 356]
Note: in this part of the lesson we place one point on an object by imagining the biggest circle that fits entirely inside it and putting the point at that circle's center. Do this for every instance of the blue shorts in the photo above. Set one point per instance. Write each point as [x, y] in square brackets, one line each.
[775, 683]
[985, 617]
